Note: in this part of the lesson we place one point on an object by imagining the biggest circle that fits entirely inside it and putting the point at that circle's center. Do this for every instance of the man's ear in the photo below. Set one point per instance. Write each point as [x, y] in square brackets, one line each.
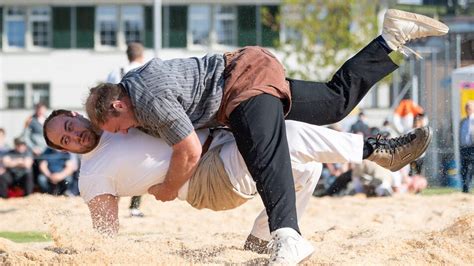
[117, 105]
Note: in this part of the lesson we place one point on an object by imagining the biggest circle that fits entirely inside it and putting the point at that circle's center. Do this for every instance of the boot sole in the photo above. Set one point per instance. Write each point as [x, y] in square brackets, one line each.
[439, 27]
[427, 143]
[430, 136]
[305, 259]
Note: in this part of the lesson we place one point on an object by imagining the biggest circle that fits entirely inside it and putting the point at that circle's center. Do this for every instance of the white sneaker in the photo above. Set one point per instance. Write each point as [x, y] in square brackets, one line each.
[287, 247]
[134, 212]
[399, 27]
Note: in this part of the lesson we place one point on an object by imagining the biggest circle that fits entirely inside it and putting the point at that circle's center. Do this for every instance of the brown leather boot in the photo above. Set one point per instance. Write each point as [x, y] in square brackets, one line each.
[256, 244]
[395, 153]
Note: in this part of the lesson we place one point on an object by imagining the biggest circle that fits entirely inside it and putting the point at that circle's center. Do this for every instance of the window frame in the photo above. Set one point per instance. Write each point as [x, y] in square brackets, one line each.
[7, 18]
[40, 18]
[192, 18]
[140, 17]
[28, 92]
[98, 19]
[28, 18]
[38, 87]
[212, 19]
[8, 95]
[223, 17]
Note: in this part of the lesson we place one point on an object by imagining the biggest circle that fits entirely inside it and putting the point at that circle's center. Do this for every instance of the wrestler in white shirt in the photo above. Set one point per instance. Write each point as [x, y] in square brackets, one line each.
[115, 165]
[105, 169]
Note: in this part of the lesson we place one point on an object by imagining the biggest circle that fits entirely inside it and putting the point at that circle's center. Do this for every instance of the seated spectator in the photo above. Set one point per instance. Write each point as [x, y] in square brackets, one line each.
[18, 169]
[416, 184]
[372, 179]
[335, 170]
[403, 182]
[360, 126]
[405, 114]
[338, 187]
[74, 187]
[367, 177]
[56, 172]
[33, 131]
[4, 148]
[386, 130]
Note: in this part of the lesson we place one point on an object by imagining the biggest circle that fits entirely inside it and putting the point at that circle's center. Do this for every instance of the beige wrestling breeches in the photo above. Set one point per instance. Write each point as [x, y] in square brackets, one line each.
[210, 186]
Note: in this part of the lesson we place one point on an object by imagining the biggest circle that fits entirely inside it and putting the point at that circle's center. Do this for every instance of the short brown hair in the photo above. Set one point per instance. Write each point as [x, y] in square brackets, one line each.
[45, 126]
[134, 51]
[98, 103]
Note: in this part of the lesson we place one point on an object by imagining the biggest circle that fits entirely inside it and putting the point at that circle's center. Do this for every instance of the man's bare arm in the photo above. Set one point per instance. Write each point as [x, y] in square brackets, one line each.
[184, 160]
[68, 170]
[104, 214]
[43, 166]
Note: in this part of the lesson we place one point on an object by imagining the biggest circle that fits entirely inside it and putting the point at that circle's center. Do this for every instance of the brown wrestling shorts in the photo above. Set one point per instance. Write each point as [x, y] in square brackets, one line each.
[249, 72]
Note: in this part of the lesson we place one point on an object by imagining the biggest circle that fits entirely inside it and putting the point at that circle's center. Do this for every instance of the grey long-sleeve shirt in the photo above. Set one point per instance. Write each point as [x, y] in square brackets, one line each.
[173, 97]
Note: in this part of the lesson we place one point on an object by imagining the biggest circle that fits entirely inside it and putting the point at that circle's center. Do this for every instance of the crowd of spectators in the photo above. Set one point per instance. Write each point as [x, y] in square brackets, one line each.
[369, 178]
[30, 166]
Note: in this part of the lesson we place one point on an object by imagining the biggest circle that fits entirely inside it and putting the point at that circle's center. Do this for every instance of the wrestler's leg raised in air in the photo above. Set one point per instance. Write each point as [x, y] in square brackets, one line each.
[326, 103]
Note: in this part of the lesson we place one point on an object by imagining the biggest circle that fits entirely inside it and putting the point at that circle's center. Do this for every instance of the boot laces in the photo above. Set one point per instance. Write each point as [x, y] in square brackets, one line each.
[402, 39]
[275, 246]
[392, 144]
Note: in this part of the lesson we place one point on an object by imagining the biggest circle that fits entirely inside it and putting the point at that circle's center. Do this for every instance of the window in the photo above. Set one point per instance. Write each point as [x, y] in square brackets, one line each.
[226, 25]
[16, 96]
[107, 25]
[40, 20]
[40, 93]
[15, 22]
[133, 26]
[35, 21]
[210, 25]
[199, 24]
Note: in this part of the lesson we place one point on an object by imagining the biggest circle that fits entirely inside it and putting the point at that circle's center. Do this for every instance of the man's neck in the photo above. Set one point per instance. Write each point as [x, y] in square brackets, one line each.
[138, 61]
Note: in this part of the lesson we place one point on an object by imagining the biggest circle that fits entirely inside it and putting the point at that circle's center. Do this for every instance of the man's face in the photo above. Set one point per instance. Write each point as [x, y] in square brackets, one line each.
[469, 108]
[21, 148]
[73, 133]
[41, 111]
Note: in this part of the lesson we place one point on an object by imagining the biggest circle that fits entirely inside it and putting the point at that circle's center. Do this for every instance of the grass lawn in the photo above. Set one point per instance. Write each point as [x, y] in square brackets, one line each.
[440, 191]
[24, 237]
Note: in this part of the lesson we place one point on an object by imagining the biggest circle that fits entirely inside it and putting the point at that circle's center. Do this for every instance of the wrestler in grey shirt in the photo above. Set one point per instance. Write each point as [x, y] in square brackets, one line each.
[171, 98]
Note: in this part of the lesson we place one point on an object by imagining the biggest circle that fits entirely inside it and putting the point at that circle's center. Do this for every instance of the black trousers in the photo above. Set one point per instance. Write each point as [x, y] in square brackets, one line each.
[24, 180]
[339, 184]
[259, 128]
[135, 202]
[467, 167]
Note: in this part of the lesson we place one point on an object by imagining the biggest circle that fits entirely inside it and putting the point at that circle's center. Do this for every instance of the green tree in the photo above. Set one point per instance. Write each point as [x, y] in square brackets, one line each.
[322, 34]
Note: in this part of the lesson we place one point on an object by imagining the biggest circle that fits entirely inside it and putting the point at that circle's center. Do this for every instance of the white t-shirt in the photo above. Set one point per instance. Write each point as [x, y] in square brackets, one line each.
[117, 75]
[127, 165]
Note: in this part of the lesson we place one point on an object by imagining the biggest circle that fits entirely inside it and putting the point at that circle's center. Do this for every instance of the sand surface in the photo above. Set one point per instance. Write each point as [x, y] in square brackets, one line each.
[414, 230]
